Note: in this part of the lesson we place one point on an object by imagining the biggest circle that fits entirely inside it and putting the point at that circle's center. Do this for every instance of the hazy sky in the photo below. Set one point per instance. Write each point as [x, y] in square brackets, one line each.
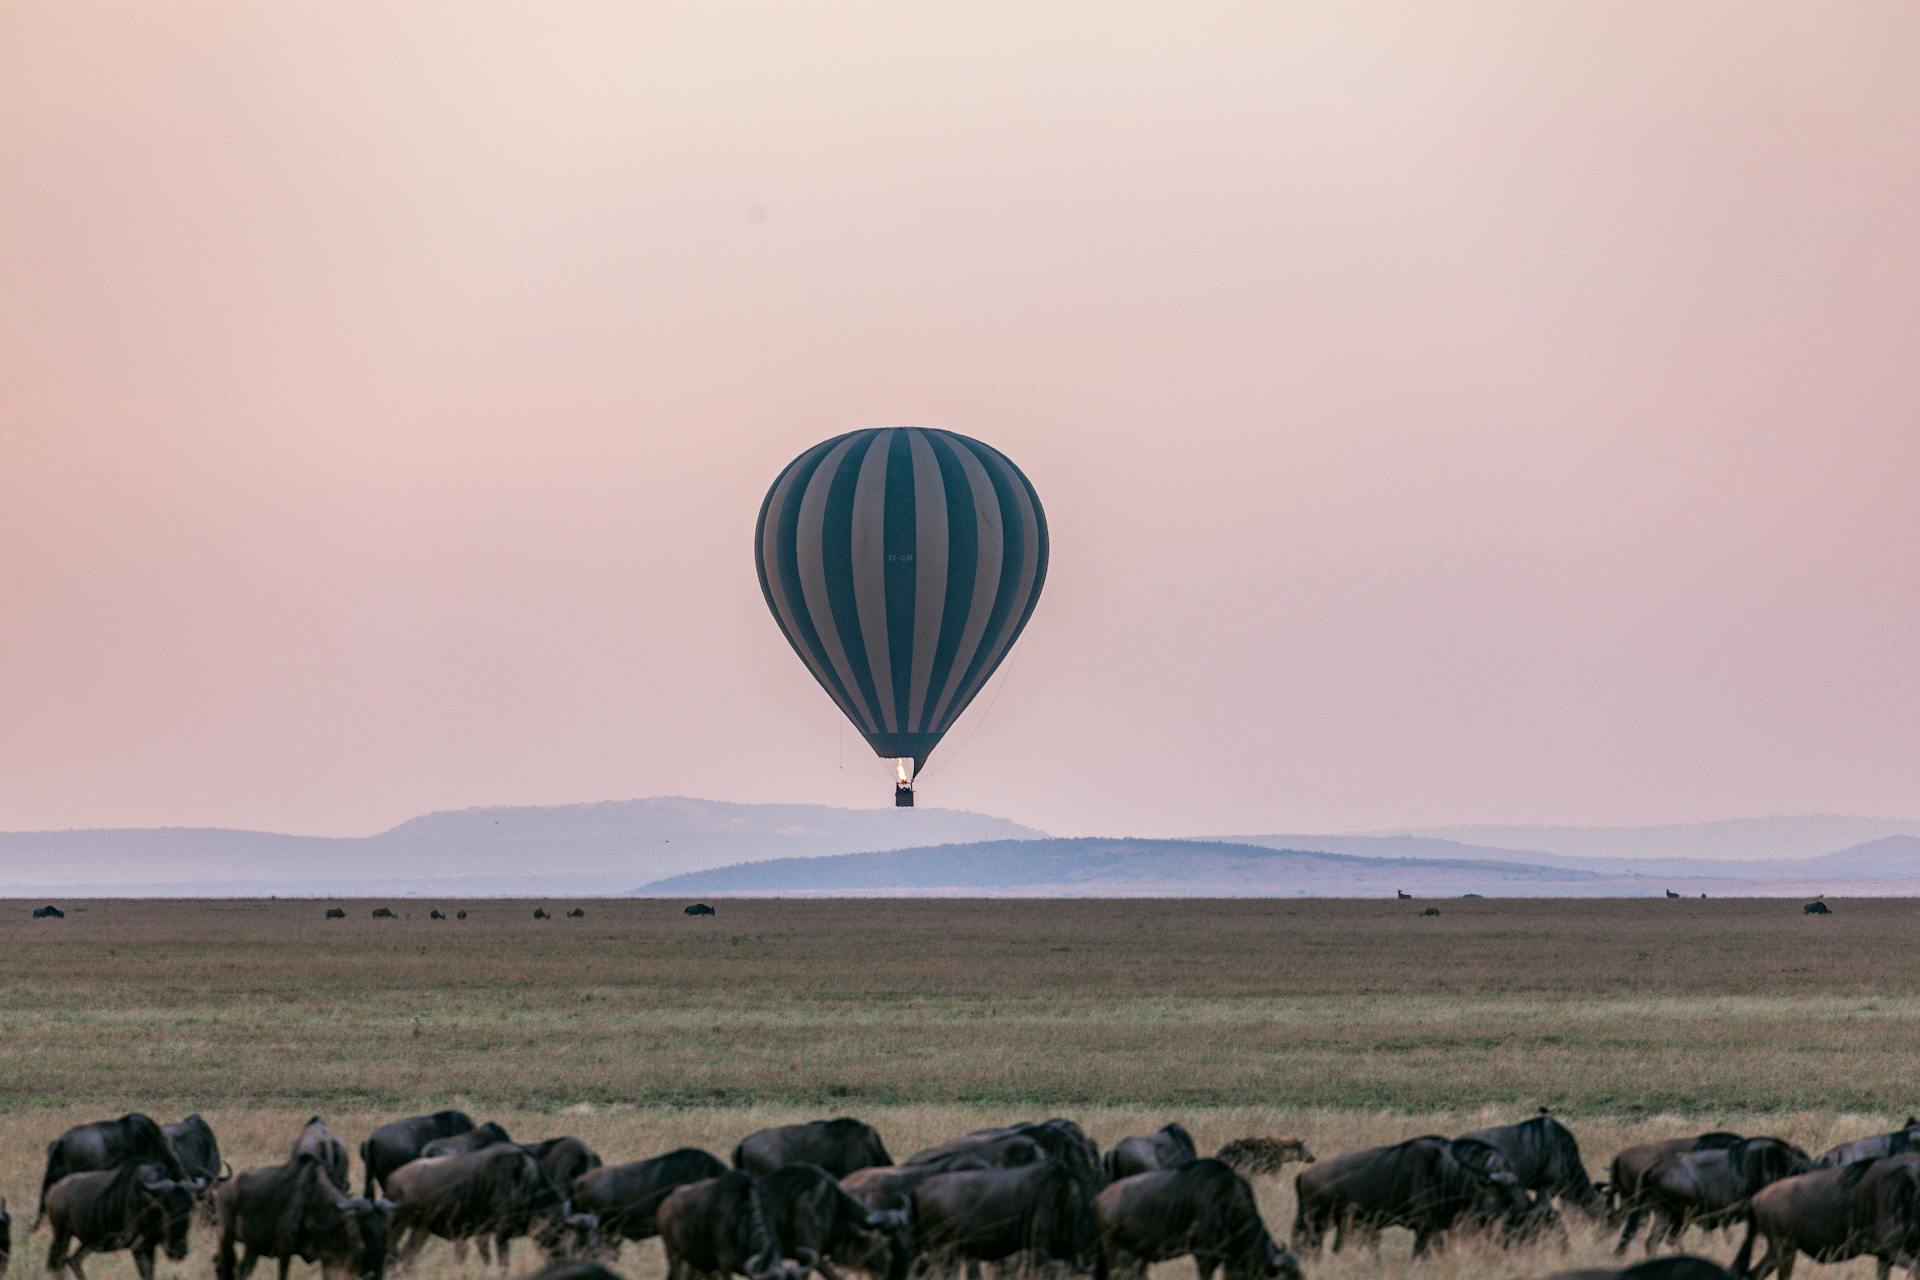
[1444, 412]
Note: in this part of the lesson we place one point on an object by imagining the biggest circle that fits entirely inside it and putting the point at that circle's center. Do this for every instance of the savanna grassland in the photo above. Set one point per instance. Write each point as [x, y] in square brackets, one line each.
[1348, 1022]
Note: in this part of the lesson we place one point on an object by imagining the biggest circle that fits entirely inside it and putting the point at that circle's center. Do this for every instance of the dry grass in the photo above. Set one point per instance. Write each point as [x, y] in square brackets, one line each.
[1351, 1023]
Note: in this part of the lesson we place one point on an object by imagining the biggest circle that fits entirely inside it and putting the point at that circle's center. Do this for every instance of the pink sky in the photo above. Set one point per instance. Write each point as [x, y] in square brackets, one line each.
[1444, 412]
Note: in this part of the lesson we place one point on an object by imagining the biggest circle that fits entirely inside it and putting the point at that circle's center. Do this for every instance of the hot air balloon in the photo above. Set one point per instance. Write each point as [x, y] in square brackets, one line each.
[901, 563]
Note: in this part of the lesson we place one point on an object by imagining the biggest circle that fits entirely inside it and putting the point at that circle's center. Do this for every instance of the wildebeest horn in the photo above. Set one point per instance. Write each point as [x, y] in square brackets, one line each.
[887, 1218]
[383, 1204]
[226, 1176]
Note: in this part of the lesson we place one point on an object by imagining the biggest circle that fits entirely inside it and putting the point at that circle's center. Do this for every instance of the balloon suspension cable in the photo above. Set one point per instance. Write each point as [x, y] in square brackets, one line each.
[903, 783]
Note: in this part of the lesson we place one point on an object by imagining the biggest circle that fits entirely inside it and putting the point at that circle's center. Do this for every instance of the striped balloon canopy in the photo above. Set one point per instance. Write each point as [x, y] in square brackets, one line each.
[901, 563]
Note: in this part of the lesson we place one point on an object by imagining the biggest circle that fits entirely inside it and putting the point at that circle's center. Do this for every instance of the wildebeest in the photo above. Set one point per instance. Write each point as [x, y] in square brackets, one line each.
[193, 1142]
[984, 1215]
[395, 1143]
[839, 1146]
[336, 913]
[819, 1224]
[1902, 1140]
[6, 1237]
[1403, 895]
[461, 914]
[1251, 1157]
[316, 1139]
[455, 1144]
[1680, 1266]
[494, 1194]
[1545, 1157]
[1672, 894]
[1631, 1164]
[49, 912]
[1685, 1188]
[1431, 911]
[1815, 909]
[721, 1227]
[1171, 1144]
[1006, 1147]
[1429, 1185]
[540, 913]
[108, 1144]
[698, 909]
[298, 1210]
[565, 1159]
[891, 1186]
[626, 1198]
[136, 1206]
[1869, 1207]
[383, 913]
[1199, 1207]
[578, 913]
[436, 914]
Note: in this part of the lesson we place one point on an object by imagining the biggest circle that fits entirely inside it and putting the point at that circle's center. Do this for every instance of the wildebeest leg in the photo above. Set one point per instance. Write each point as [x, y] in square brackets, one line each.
[973, 1269]
[142, 1262]
[501, 1243]
[248, 1261]
[1787, 1255]
[410, 1248]
[485, 1246]
[1424, 1239]
[1205, 1266]
[73, 1262]
[286, 1265]
[1635, 1216]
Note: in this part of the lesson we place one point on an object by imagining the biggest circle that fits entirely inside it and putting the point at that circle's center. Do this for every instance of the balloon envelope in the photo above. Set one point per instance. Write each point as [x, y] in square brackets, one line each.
[901, 563]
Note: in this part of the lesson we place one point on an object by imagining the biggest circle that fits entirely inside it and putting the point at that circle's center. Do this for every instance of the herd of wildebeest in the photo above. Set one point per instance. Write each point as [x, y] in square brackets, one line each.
[826, 1195]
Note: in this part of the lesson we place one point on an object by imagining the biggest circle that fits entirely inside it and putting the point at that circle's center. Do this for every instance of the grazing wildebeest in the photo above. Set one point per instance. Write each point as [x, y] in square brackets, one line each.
[698, 909]
[839, 1146]
[193, 1142]
[819, 1224]
[1431, 911]
[891, 1186]
[49, 912]
[1403, 895]
[1899, 1142]
[721, 1227]
[1171, 1144]
[1429, 1185]
[336, 913]
[494, 1194]
[1005, 1147]
[1251, 1157]
[298, 1210]
[578, 913]
[323, 1144]
[436, 914]
[1199, 1207]
[565, 1159]
[455, 1144]
[6, 1237]
[383, 913]
[984, 1215]
[1631, 1164]
[1685, 1188]
[1680, 1266]
[1542, 1152]
[1672, 894]
[1869, 1207]
[461, 914]
[393, 1144]
[540, 913]
[626, 1198]
[136, 1206]
[108, 1144]
[1815, 909]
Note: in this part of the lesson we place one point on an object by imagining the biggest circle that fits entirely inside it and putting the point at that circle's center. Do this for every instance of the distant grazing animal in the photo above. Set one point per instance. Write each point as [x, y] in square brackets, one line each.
[1200, 1208]
[461, 914]
[395, 1143]
[1815, 909]
[985, 1215]
[1680, 1266]
[1252, 1157]
[839, 1146]
[1429, 1185]
[298, 1210]
[1545, 1157]
[1169, 1146]
[49, 912]
[1672, 894]
[540, 913]
[108, 1144]
[819, 1224]
[323, 1144]
[6, 1236]
[1431, 911]
[1685, 1188]
[1835, 1214]
[578, 913]
[457, 1144]
[193, 1142]
[383, 913]
[1624, 1174]
[626, 1198]
[494, 1194]
[436, 914]
[721, 1227]
[1899, 1142]
[136, 1207]
[1403, 895]
[698, 909]
[336, 913]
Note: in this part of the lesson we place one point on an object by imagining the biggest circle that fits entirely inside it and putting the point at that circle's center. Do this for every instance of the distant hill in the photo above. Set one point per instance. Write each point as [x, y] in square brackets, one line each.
[602, 847]
[1889, 855]
[1120, 868]
[1787, 836]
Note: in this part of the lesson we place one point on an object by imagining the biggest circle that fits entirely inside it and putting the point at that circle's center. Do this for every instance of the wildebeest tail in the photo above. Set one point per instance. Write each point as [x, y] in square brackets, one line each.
[46, 1180]
[366, 1160]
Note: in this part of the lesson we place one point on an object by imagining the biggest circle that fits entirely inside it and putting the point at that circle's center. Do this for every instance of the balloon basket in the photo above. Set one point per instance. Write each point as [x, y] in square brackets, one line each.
[903, 796]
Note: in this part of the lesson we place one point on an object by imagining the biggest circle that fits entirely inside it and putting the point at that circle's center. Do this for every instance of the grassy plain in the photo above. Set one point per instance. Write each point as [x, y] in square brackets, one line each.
[638, 1029]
